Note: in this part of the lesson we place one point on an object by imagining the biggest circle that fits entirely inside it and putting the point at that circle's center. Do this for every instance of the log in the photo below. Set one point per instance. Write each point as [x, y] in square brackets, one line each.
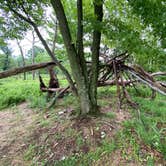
[158, 74]
[52, 89]
[146, 79]
[100, 84]
[24, 69]
[113, 82]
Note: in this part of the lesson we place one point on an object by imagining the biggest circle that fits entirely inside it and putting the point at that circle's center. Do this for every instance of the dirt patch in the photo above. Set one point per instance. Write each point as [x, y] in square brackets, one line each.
[14, 124]
[68, 137]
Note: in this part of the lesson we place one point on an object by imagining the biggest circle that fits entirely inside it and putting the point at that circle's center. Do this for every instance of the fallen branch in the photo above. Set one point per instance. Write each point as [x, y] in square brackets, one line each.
[158, 74]
[145, 78]
[24, 69]
[52, 89]
[113, 82]
[100, 84]
[61, 93]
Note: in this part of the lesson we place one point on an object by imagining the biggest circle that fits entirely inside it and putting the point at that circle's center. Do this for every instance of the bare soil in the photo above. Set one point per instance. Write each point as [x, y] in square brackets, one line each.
[15, 125]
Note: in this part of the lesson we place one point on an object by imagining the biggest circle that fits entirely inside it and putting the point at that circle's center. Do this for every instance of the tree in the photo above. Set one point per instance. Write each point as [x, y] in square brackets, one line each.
[32, 13]
[138, 27]
[86, 85]
[22, 56]
[7, 52]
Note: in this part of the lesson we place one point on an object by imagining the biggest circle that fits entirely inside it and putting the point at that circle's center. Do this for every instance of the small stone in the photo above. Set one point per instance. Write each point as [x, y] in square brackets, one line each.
[63, 158]
[103, 134]
[60, 112]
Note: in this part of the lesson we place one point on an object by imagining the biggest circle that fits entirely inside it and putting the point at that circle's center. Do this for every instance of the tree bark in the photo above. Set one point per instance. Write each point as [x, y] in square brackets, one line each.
[83, 94]
[79, 46]
[98, 11]
[16, 71]
[33, 53]
[22, 56]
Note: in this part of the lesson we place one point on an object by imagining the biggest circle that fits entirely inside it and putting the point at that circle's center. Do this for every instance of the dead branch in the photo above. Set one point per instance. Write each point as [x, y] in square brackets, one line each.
[52, 89]
[158, 74]
[113, 82]
[24, 69]
[61, 93]
[147, 79]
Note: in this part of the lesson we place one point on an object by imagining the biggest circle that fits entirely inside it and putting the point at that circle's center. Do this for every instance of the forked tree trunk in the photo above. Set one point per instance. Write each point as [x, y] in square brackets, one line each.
[74, 59]
[86, 93]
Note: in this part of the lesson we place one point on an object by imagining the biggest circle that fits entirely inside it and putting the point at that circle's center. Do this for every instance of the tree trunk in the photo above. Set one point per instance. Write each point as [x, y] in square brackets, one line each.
[22, 56]
[33, 53]
[98, 11]
[87, 94]
[53, 83]
[74, 59]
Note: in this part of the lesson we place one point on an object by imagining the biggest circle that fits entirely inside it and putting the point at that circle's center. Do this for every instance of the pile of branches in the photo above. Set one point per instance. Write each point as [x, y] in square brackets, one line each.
[116, 71]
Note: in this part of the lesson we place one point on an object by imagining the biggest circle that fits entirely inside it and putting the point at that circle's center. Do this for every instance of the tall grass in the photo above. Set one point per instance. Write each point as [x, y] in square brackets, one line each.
[14, 91]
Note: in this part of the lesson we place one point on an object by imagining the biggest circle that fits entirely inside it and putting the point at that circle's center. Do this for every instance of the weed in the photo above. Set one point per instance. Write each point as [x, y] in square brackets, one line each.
[110, 115]
[30, 153]
[38, 102]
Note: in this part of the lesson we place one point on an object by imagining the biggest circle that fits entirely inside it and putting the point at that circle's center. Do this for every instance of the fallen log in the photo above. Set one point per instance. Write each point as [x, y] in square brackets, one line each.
[158, 74]
[100, 84]
[24, 69]
[52, 89]
[113, 82]
[146, 79]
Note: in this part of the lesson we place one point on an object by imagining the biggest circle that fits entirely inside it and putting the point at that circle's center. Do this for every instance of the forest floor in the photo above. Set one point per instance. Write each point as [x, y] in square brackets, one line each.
[55, 137]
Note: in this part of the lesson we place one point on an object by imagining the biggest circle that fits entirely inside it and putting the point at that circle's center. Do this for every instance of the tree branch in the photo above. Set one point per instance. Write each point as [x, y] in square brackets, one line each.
[19, 70]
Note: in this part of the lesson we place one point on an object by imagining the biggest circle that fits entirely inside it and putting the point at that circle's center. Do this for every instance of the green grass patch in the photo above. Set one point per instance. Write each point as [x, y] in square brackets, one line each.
[13, 91]
[149, 123]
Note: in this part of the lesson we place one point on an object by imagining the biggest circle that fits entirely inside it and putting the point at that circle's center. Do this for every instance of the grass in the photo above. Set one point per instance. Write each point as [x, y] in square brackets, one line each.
[14, 91]
[150, 126]
[140, 139]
